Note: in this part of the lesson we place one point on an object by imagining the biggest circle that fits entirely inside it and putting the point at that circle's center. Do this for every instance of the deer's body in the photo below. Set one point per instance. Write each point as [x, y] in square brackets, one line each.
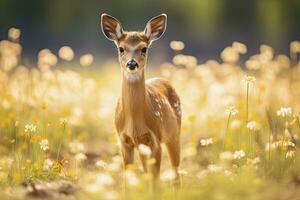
[148, 112]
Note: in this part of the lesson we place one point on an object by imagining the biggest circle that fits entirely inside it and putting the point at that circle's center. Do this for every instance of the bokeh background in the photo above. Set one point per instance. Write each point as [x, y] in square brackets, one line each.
[205, 26]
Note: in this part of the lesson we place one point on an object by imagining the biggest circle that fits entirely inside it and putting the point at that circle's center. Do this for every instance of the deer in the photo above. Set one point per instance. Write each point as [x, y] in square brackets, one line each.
[148, 112]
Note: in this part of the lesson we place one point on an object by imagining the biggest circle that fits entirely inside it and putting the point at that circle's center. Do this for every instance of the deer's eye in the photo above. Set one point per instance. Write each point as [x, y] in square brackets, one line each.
[121, 50]
[144, 50]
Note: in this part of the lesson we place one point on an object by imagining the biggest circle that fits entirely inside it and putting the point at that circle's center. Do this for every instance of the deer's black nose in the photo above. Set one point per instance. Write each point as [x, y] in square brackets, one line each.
[132, 64]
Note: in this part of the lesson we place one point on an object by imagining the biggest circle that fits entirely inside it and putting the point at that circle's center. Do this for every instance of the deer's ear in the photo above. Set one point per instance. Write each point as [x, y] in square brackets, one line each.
[156, 27]
[111, 27]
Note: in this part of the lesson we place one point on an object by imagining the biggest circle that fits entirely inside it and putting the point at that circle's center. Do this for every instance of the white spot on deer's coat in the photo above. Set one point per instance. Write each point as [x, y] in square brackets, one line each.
[157, 113]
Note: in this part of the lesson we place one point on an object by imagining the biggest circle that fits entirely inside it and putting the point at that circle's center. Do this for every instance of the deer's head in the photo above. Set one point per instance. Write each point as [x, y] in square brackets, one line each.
[133, 46]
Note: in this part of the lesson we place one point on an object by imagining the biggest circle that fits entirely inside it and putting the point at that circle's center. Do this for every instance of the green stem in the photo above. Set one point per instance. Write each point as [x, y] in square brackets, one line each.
[61, 141]
[226, 131]
[247, 103]
[269, 146]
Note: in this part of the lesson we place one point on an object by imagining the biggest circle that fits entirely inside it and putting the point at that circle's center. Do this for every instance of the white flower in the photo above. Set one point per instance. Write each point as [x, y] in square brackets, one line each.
[76, 147]
[226, 155]
[101, 164]
[284, 111]
[111, 195]
[254, 161]
[168, 175]
[104, 179]
[239, 154]
[48, 163]
[144, 149]
[235, 124]
[131, 178]
[182, 172]
[249, 79]
[231, 110]
[30, 128]
[177, 45]
[271, 147]
[206, 142]
[79, 157]
[214, 168]
[86, 60]
[66, 53]
[254, 126]
[44, 144]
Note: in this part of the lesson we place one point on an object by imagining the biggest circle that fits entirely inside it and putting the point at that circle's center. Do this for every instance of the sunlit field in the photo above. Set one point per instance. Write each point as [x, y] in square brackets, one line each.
[239, 138]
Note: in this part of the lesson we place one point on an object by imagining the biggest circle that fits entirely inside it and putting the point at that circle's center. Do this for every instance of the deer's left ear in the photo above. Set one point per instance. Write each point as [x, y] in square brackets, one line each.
[156, 27]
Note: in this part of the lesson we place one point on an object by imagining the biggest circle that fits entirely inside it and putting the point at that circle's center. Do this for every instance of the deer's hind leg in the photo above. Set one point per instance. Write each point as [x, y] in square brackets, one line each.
[173, 147]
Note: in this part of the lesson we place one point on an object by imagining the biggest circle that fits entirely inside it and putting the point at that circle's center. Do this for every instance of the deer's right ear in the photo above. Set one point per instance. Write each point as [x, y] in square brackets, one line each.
[111, 27]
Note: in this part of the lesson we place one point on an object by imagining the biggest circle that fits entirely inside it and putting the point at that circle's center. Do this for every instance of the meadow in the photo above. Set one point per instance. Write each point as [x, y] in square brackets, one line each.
[239, 138]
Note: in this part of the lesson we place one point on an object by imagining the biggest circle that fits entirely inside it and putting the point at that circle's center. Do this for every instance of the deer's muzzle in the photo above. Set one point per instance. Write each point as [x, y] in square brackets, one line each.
[132, 65]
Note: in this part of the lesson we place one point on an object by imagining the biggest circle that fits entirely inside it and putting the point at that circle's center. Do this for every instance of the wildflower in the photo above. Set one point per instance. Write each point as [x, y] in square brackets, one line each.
[86, 60]
[104, 179]
[214, 168]
[113, 167]
[206, 142]
[227, 173]
[284, 112]
[235, 124]
[229, 55]
[271, 146]
[168, 175]
[254, 161]
[48, 163]
[14, 33]
[63, 121]
[290, 154]
[177, 45]
[239, 154]
[76, 147]
[131, 178]
[182, 172]
[79, 157]
[30, 128]
[44, 144]
[249, 79]
[226, 155]
[111, 195]
[202, 174]
[253, 126]
[295, 46]
[239, 47]
[231, 111]
[144, 149]
[101, 164]
[46, 59]
[66, 53]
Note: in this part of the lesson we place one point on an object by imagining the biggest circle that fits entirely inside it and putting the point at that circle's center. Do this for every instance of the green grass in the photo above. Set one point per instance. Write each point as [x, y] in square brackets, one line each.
[73, 108]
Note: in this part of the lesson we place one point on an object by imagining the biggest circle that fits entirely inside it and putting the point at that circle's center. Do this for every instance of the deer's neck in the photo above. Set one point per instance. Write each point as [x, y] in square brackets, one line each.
[133, 95]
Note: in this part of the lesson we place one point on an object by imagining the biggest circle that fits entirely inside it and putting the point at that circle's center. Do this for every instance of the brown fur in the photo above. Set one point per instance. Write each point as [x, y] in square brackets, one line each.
[148, 112]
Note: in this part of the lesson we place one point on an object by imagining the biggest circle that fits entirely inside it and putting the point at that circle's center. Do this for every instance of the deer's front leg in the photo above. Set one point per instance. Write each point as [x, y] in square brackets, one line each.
[127, 150]
[154, 144]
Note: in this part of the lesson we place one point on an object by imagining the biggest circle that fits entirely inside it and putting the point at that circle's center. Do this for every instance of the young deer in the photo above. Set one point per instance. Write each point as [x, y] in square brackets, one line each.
[147, 112]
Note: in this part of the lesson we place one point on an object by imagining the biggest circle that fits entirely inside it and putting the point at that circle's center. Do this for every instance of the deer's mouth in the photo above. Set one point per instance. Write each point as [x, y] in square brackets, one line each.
[132, 71]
